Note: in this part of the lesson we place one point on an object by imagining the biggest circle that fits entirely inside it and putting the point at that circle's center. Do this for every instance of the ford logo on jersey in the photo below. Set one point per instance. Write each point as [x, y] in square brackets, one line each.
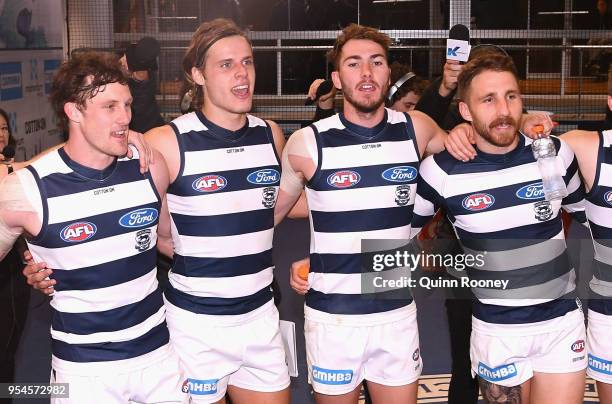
[79, 231]
[531, 191]
[477, 202]
[608, 198]
[343, 179]
[400, 174]
[578, 346]
[139, 218]
[200, 387]
[264, 177]
[496, 374]
[209, 183]
[329, 376]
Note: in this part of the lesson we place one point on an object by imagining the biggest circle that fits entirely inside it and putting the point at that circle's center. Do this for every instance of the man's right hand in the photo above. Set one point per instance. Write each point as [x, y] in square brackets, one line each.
[459, 142]
[326, 101]
[296, 280]
[452, 68]
[38, 274]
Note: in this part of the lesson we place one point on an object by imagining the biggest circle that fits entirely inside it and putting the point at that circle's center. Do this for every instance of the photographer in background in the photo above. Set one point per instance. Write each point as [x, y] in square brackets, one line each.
[140, 64]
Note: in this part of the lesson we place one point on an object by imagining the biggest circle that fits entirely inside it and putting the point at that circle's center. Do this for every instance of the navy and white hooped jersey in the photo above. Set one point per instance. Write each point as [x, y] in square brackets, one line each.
[363, 188]
[496, 205]
[99, 232]
[599, 213]
[222, 209]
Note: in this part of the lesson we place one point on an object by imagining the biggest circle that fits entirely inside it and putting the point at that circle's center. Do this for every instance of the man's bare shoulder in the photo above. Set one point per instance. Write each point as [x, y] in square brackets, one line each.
[160, 132]
[581, 141]
[13, 195]
[16, 212]
[163, 139]
[580, 137]
[278, 135]
[300, 139]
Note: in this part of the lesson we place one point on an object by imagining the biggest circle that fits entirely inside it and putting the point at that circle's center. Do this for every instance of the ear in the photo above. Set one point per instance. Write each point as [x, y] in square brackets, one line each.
[197, 76]
[336, 80]
[73, 113]
[465, 111]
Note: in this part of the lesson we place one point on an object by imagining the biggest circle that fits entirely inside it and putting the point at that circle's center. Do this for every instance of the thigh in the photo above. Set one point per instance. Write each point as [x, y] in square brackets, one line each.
[381, 394]
[264, 368]
[351, 397]
[558, 388]
[244, 396]
[605, 392]
[335, 356]
[495, 393]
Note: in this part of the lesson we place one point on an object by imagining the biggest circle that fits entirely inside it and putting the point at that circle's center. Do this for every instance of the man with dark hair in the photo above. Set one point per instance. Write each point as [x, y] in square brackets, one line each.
[93, 217]
[528, 337]
[220, 312]
[352, 336]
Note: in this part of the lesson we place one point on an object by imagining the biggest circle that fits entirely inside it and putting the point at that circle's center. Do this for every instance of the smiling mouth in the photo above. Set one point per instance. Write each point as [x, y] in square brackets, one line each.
[119, 133]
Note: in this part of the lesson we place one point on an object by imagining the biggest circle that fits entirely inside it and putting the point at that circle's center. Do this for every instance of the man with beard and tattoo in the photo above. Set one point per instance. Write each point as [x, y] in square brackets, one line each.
[527, 343]
[346, 162]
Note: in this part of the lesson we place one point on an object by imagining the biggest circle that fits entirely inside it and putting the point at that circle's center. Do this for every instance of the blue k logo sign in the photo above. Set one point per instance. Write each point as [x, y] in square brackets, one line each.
[452, 51]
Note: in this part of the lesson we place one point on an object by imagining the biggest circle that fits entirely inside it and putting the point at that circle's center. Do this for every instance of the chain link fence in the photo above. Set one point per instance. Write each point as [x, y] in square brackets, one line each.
[562, 48]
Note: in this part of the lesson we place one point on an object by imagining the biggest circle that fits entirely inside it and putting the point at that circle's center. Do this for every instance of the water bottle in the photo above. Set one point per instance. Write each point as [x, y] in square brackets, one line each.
[545, 153]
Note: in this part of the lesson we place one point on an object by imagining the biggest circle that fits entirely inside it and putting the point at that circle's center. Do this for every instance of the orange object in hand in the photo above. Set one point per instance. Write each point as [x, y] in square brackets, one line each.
[303, 270]
[539, 129]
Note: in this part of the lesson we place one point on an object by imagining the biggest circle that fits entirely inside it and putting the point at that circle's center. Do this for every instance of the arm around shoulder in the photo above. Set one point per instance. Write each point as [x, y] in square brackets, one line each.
[430, 137]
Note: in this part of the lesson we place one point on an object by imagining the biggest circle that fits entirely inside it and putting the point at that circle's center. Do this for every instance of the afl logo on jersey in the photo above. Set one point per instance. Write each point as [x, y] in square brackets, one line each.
[139, 218]
[531, 191]
[400, 174]
[608, 198]
[476, 202]
[209, 183]
[343, 179]
[264, 177]
[77, 232]
[578, 346]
